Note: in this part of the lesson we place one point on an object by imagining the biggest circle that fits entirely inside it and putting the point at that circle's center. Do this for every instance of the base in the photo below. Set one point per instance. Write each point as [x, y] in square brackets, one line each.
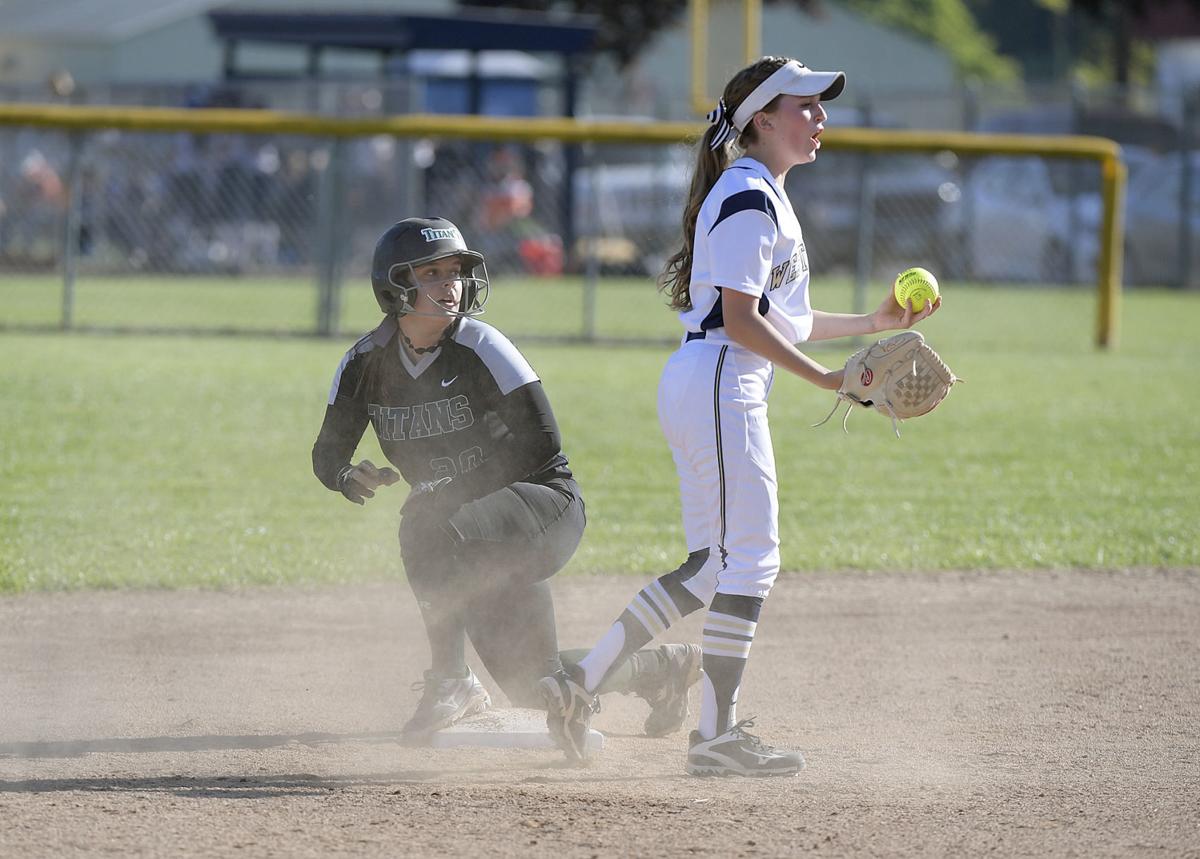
[511, 728]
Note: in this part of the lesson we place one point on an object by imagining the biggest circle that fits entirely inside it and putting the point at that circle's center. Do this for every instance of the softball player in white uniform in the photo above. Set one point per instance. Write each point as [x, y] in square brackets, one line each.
[741, 284]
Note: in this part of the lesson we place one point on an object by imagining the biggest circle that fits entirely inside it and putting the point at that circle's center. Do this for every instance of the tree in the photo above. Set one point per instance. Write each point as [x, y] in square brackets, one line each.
[1092, 27]
[1114, 23]
[625, 26]
[949, 24]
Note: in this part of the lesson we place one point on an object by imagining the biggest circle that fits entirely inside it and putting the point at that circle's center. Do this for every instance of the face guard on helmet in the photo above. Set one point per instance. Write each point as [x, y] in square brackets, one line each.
[414, 242]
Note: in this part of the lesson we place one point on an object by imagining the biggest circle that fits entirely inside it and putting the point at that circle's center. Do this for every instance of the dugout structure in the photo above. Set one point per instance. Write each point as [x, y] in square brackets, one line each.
[80, 121]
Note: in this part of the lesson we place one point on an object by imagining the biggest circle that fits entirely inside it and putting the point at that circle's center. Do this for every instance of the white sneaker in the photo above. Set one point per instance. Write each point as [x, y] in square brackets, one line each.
[445, 701]
[736, 752]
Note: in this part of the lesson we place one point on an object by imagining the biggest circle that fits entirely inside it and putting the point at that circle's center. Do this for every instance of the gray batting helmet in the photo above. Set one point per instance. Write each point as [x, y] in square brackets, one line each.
[416, 241]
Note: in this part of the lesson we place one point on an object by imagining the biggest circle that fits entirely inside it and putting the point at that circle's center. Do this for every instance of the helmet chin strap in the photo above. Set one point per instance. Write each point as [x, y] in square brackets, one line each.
[442, 314]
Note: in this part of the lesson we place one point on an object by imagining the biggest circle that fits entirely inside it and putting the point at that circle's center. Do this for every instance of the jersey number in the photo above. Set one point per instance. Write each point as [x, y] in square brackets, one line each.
[444, 466]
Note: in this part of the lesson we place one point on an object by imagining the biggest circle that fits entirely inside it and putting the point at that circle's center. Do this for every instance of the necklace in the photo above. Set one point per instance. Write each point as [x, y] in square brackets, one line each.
[421, 350]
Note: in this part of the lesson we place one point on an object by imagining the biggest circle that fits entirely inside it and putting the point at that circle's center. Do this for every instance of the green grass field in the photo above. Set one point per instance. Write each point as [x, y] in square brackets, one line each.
[169, 461]
[549, 307]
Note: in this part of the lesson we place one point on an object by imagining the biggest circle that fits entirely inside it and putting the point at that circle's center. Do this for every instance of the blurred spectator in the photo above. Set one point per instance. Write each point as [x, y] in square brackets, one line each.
[62, 84]
[234, 195]
[292, 205]
[88, 193]
[508, 196]
[241, 238]
[40, 197]
[187, 191]
[505, 215]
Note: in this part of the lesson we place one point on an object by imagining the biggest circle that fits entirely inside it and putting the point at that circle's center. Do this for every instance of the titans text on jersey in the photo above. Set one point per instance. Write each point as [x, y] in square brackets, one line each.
[421, 420]
[472, 410]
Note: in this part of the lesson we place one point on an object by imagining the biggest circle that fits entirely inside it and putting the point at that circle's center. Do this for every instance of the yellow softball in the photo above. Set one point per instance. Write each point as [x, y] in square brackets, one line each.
[917, 285]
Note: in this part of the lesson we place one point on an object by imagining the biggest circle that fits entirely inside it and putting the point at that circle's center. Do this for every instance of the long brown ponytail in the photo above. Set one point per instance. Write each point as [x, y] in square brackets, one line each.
[676, 276]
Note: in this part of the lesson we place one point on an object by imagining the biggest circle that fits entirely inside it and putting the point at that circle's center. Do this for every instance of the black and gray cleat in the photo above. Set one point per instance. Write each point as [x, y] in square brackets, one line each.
[569, 710]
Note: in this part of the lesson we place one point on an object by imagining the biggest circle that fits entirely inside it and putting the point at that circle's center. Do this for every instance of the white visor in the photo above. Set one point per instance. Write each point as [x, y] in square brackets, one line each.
[792, 79]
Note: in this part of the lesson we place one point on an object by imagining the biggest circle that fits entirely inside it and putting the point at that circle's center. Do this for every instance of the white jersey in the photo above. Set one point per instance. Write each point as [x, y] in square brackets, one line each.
[748, 239]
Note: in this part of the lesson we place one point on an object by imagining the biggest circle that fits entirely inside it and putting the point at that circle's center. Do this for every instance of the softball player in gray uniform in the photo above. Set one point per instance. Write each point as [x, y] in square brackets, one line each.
[740, 284]
[494, 510]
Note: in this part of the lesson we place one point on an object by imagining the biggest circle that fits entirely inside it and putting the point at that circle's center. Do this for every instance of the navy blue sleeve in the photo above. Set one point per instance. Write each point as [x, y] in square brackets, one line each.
[750, 200]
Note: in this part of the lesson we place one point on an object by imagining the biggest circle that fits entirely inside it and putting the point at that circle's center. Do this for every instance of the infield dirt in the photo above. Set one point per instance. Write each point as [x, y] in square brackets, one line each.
[1050, 713]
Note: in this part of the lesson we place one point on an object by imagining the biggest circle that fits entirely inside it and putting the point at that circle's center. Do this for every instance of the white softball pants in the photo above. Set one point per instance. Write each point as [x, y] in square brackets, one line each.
[712, 406]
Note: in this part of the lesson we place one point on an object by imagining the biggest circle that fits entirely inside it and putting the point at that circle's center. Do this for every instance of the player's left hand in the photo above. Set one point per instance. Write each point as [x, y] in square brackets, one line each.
[426, 495]
[890, 315]
[901, 376]
[359, 482]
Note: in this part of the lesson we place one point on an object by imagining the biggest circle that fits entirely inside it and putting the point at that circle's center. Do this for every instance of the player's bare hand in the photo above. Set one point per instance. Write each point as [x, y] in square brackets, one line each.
[359, 482]
[890, 315]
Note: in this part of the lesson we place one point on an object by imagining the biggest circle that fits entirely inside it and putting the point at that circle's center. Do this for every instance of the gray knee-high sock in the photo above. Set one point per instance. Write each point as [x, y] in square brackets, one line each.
[728, 634]
[652, 611]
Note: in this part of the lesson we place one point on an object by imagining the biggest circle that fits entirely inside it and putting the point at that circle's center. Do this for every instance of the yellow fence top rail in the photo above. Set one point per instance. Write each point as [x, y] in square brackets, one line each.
[79, 117]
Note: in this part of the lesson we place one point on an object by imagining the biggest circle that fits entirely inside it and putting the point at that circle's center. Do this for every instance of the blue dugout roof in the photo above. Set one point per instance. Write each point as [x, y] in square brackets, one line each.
[471, 30]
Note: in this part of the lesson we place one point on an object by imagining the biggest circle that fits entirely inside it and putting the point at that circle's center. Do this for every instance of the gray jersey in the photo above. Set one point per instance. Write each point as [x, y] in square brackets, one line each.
[472, 410]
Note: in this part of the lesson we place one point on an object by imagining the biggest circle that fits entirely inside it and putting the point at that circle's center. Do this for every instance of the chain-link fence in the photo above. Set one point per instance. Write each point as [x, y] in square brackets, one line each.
[84, 215]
